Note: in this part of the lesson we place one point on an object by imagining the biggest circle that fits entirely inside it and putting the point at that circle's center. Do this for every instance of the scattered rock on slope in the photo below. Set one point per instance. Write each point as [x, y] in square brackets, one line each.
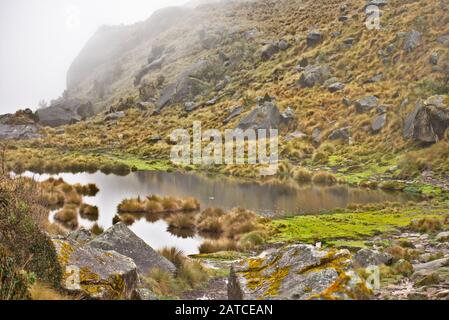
[412, 40]
[297, 272]
[121, 239]
[265, 116]
[313, 75]
[366, 104]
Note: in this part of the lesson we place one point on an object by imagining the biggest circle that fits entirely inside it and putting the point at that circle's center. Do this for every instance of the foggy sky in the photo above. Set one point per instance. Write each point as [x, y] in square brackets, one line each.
[40, 38]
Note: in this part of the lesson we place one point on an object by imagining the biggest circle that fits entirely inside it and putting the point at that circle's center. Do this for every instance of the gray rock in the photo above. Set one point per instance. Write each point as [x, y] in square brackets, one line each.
[314, 38]
[19, 132]
[295, 135]
[366, 257]
[412, 40]
[444, 40]
[376, 78]
[349, 41]
[191, 106]
[377, 3]
[264, 116]
[96, 273]
[283, 45]
[184, 86]
[114, 116]
[288, 114]
[366, 104]
[428, 121]
[432, 265]
[313, 75]
[154, 65]
[143, 294]
[65, 111]
[343, 18]
[340, 134]
[297, 272]
[212, 101]
[81, 236]
[337, 86]
[346, 102]
[234, 113]
[442, 236]
[316, 136]
[433, 59]
[269, 50]
[379, 122]
[121, 239]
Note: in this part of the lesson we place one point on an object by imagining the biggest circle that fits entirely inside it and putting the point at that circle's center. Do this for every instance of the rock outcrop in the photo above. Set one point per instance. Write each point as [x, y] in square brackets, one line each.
[297, 272]
[122, 240]
[185, 86]
[65, 111]
[428, 121]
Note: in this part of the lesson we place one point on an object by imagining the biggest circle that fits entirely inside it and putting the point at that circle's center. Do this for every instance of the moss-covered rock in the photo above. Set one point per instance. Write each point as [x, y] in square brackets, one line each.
[297, 272]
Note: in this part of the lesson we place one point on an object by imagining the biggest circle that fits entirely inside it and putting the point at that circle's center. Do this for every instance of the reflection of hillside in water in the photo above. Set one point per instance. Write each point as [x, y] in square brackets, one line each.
[263, 197]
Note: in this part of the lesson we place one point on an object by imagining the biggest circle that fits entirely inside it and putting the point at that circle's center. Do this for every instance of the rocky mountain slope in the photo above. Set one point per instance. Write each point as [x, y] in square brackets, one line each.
[365, 104]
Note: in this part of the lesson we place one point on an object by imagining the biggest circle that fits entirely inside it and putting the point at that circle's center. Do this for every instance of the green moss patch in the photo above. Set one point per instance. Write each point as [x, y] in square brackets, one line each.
[348, 226]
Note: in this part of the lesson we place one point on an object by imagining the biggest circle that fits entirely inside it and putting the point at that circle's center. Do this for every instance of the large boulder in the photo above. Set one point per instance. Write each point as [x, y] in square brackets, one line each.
[265, 116]
[313, 75]
[65, 111]
[95, 273]
[297, 272]
[122, 240]
[185, 87]
[428, 121]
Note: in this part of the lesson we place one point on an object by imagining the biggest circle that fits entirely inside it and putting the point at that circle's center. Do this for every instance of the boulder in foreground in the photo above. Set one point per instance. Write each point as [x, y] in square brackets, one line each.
[122, 240]
[95, 273]
[297, 272]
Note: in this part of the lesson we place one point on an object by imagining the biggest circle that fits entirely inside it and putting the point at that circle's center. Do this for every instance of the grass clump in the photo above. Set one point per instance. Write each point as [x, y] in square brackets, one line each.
[323, 177]
[190, 275]
[68, 216]
[426, 225]
[89, 212]
[156, 204]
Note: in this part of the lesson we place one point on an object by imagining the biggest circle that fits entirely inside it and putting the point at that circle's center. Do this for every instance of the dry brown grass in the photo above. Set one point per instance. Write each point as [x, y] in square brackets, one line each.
[155, 204]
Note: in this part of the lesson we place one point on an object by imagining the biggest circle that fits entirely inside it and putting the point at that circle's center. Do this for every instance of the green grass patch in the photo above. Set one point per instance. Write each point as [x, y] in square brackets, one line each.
[348, 226]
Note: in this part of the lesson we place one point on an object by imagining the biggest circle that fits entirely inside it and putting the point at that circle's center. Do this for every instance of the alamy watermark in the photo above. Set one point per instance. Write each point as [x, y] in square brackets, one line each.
[373, 14]
[234, 147]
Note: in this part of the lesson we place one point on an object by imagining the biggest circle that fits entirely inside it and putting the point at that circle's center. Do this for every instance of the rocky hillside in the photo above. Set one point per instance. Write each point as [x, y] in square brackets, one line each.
[365, 104]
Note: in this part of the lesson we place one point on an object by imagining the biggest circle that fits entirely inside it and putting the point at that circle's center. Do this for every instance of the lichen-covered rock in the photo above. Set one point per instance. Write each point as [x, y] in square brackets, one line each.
[144, 294]
[297, 272]
[122, 240]
[95, 273]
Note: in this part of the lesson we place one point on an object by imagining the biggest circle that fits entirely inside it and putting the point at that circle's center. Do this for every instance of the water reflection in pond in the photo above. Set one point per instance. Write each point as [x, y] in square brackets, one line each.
[221, 192]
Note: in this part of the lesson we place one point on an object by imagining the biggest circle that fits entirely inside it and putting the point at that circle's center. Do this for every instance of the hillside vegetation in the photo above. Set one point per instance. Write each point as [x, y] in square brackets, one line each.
[349, 89]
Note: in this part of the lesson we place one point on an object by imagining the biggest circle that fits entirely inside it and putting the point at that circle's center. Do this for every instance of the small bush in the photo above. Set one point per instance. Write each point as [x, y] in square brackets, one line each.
[426, 225]
[302, 175]
[213, 246]
[89, 212]
[174, 255]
